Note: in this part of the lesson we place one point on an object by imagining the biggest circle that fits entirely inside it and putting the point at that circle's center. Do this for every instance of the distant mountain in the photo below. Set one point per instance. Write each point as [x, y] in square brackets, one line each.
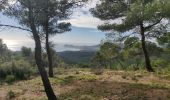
[76, 57]
[84, 48]
[76, 47]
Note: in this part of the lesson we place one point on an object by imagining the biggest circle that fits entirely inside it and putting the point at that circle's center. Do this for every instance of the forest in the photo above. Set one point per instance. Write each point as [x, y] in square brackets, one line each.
[132, 62]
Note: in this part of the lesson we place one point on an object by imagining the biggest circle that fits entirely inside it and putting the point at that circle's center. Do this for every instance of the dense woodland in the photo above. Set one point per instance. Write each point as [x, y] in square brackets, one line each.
[138, 43]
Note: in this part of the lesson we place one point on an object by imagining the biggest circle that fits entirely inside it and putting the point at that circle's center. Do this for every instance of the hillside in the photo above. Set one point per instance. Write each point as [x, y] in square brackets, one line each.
[76, 57]
[86, 84]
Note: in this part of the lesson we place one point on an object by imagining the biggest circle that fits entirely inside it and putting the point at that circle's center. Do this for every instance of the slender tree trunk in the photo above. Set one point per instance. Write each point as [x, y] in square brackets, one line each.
[147, 58]
[50, 61]
[110, 63]
[41, 68]
[38, 57]
[48, 49]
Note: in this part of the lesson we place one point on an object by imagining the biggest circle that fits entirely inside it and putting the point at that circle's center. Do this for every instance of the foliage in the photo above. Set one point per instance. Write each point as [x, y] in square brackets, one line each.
[88, 78]
[98, 60]
[5, 53]
[19, 69]
[132, 13]
[106, 56]
[164, 40]
[68, 79]
[9, 79]
[126, 56]
[142, 18]
[160, 63]
[76, 57]
[109, 50]
[10, 95]
[26, 52]
[132, 51]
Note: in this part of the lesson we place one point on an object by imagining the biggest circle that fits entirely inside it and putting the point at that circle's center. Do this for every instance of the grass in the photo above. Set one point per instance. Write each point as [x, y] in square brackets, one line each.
[84, 84]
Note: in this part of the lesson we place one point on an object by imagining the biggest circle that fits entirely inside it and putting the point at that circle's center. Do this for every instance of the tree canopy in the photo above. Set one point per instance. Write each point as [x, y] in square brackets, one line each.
[146, 18]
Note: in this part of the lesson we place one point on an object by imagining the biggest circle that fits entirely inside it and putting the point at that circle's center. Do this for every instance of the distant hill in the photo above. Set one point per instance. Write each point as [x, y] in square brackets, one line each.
[76, 57]
[84, 47]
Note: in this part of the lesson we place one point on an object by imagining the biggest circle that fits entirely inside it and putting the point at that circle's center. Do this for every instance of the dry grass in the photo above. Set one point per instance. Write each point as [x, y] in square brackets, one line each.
[82, 84]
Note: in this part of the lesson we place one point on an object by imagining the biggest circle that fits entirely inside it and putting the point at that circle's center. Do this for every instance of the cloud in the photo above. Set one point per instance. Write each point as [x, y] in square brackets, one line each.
[83, 18]
[85, 22]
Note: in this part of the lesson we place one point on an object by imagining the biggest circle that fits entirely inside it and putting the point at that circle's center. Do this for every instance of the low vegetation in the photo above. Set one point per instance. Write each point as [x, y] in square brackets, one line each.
[86, 85]
[16, 70]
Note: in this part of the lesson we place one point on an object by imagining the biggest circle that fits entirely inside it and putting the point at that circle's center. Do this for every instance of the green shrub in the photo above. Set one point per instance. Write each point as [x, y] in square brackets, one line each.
[159, 63]
[10, 95]
[10, 79]
[68, 79]
[20, 69]
[89, 78]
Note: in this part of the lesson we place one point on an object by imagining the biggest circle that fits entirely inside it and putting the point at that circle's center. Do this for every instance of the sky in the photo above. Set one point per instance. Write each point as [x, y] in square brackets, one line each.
[84, 31]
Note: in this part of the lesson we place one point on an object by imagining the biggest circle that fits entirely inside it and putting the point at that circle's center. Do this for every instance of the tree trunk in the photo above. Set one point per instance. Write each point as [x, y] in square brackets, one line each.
[50, 61]
[38, 57]
[48, 49]
[110, 64]
[147, 58]
[41, 68]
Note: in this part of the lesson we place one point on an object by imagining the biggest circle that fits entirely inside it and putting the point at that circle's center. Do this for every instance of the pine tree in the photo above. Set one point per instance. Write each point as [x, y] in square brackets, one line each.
[145, 15]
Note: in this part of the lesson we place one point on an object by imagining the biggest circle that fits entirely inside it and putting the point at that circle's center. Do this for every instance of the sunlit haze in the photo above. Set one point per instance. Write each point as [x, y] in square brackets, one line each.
[84, 32]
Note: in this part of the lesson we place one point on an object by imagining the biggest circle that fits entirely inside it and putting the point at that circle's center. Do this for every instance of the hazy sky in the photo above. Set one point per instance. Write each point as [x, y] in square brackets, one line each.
[84, 31]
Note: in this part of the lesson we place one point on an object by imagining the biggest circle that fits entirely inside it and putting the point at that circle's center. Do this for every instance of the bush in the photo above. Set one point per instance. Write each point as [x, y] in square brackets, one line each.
[68, 79]
[10, 95]
[159, 63]
[10, 79]
[89, 78]
[19, 69]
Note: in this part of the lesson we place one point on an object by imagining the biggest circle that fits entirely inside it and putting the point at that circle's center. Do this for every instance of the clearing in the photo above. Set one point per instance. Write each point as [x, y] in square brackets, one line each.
[87, 84]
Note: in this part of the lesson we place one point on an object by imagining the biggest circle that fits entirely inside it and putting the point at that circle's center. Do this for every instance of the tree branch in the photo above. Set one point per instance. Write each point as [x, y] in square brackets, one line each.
[150, 26]
[2, 25]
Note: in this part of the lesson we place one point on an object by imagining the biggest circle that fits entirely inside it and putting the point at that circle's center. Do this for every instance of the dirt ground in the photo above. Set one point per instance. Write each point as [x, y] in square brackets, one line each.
[85, 85]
